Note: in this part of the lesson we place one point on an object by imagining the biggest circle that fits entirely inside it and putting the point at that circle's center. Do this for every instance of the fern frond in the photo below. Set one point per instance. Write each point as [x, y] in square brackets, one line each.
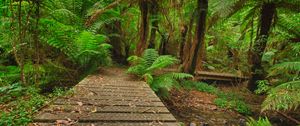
[283, 97]
[179, 76]
[161, 62]
[150, 55]
[284, 68]
[135, 59]
[65, 16]
[137, 69]
[163, 82]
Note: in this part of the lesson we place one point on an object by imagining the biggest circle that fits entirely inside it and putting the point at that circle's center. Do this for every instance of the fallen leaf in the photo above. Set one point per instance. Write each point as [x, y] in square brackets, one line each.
[80, 103]
[94, 110]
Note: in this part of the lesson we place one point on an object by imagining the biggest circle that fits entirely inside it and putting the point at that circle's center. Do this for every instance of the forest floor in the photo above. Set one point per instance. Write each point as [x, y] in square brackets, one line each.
[199, 108]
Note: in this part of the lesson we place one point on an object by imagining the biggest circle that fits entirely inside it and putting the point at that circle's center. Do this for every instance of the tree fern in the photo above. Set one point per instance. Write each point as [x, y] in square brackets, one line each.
[91, 49]
[150, 62]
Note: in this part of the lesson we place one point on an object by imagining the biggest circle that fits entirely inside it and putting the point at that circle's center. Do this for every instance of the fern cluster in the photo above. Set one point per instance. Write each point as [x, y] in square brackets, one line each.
[283, 97]
[149, 63]
[286, 95]
[260, 122]
[85, 48]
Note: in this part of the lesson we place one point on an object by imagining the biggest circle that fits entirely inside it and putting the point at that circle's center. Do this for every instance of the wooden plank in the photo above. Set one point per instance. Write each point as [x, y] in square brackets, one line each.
[105, 109]
[224, 75]
[99, 90]
[212, 78]
[100, 94]
[116, 85]
[114, 88]
[108, 103]
[150, 98]
[113, 124]
[107, 117]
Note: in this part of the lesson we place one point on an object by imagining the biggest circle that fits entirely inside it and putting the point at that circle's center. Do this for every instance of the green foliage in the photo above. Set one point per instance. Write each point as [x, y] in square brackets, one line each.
[149, 63]
[8, 93]
[9, 74]
[21, 109]
[91, 50]
[283, 97]
[260, 122]
[285, 68]
[262, 87]
[200, 86]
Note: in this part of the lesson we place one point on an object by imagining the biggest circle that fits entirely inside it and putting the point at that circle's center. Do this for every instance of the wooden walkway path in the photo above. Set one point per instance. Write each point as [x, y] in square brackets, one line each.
[110, 98]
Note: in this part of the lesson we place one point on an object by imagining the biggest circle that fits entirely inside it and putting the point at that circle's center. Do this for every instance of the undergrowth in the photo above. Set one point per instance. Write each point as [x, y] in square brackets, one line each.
[18, 103]
[223, 100]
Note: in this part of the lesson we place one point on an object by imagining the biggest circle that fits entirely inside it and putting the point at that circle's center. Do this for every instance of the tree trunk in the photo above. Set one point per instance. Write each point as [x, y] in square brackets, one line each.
[21, 58]
[188, 42]
[183, 32]
[195, 51]
[266, 19]
[154, 13]
[37, 43]
[116, 42]
[142, 45]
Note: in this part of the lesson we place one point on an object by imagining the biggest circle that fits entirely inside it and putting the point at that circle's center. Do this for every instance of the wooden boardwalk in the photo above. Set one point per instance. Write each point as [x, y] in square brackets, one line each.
[110, 98]
[204, 75]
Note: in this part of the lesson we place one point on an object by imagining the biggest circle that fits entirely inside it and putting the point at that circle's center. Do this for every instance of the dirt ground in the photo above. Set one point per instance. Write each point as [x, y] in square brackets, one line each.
[194, 107]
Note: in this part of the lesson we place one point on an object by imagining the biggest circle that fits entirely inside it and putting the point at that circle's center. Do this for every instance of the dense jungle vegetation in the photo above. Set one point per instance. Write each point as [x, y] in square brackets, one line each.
[47, 46]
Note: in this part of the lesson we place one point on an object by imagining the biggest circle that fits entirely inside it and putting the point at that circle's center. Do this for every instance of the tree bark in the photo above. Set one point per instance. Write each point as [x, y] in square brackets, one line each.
[144, 28]
[21, 58]
[188, 42]
[183, 32]
[266, 20]
[195, 51]
[154, 13]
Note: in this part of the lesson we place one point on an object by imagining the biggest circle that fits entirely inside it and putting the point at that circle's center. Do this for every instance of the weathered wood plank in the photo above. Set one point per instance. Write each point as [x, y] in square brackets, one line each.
[145, 95]
[108, 103]
[114, 124]
[108, 117]
[220, 75]
[79, 97]
[141, 98]
[115, 85]
[117, 88]
[105, 109]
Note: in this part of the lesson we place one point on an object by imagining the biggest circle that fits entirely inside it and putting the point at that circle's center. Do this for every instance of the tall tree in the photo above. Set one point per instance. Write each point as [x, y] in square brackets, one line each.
[191, 64]
[144, 27]
[266, 20]
[154, 9]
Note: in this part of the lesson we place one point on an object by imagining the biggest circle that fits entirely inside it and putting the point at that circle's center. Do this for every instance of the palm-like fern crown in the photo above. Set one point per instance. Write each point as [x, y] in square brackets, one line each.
[149, 62]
